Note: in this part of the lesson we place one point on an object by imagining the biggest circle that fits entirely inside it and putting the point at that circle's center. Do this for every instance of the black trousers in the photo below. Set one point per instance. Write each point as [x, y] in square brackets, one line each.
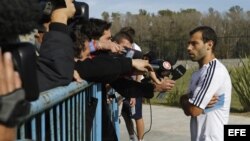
[108, 129]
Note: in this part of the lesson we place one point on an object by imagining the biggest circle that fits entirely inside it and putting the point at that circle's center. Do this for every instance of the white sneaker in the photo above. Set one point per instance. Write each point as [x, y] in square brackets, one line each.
[132, 138]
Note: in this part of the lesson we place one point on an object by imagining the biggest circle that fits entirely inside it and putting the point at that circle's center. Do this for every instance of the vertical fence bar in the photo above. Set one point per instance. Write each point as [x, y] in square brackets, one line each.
[66, 116]
[52, 127]
[63, 122]
[84, 117]
[58, 119]
[115, 110]
[43, 127]
[97, 125]
[22, 131]
[69, 119]
[77, 118]
[80, 115]
[33, 128]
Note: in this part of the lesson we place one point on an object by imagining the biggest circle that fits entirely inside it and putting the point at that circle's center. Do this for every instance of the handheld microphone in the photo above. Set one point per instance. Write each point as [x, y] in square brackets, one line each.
[161, 64]
[176, 73]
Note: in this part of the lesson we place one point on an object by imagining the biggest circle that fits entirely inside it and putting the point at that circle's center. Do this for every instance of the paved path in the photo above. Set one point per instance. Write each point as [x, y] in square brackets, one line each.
[169, 124]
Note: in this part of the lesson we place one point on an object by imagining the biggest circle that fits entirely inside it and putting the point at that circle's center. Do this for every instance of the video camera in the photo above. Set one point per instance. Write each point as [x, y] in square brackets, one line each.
[24, 59]
[48, 6]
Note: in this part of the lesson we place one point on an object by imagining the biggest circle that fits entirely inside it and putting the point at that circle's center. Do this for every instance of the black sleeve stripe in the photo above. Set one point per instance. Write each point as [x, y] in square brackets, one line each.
[208, 78]
[204, 86]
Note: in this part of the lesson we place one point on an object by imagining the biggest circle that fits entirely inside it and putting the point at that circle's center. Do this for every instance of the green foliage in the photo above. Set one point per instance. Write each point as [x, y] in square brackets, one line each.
[241, 83]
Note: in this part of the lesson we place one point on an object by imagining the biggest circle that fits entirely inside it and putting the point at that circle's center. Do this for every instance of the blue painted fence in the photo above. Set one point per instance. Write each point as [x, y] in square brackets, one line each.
[60, 114]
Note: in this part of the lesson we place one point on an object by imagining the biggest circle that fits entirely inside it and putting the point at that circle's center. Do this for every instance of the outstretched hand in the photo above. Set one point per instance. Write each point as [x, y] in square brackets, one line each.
[165, 85]
[141, 65]
[109, 45]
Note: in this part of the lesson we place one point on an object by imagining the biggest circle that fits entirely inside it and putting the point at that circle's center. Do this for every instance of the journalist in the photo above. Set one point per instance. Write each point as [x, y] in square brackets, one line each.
[56, 56]
[99, 34]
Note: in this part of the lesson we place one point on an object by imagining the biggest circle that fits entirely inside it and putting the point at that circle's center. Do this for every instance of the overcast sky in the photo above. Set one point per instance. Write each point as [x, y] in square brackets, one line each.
[153, 6]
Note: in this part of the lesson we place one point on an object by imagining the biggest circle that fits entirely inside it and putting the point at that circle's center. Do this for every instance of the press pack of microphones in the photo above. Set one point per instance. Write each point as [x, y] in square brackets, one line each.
[162, 67]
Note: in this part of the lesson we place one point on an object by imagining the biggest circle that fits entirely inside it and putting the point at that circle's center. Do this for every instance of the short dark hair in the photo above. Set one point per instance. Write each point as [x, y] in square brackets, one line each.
[94, 28]
[18, 17]
[79, 40]
[129, 30]
[207, 34]
[122, 35]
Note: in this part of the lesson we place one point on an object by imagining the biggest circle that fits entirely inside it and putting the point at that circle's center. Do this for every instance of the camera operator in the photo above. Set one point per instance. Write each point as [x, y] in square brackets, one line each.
[13, 105]
[56, 58]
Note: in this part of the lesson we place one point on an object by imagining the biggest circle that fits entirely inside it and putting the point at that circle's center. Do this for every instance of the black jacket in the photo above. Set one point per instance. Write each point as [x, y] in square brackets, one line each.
[56, 59]
[103, 68]
[111, 69]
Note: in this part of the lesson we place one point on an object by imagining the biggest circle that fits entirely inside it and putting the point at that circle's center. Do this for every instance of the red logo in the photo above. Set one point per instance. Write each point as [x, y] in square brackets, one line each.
[166, 65]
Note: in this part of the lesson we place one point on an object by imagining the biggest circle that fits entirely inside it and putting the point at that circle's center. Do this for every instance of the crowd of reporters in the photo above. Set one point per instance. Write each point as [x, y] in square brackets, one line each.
[67, 51]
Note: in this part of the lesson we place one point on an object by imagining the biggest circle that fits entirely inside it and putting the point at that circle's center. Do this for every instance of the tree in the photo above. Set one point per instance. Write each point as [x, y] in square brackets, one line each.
[105, 16]
[167, 12]
[167, 31]
[143, 12]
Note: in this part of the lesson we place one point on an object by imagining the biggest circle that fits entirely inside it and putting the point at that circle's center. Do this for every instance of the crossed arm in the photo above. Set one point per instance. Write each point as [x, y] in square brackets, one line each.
[192, 110]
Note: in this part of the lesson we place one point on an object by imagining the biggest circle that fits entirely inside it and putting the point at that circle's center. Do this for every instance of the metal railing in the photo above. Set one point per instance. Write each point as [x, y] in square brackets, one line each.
[60, 115]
